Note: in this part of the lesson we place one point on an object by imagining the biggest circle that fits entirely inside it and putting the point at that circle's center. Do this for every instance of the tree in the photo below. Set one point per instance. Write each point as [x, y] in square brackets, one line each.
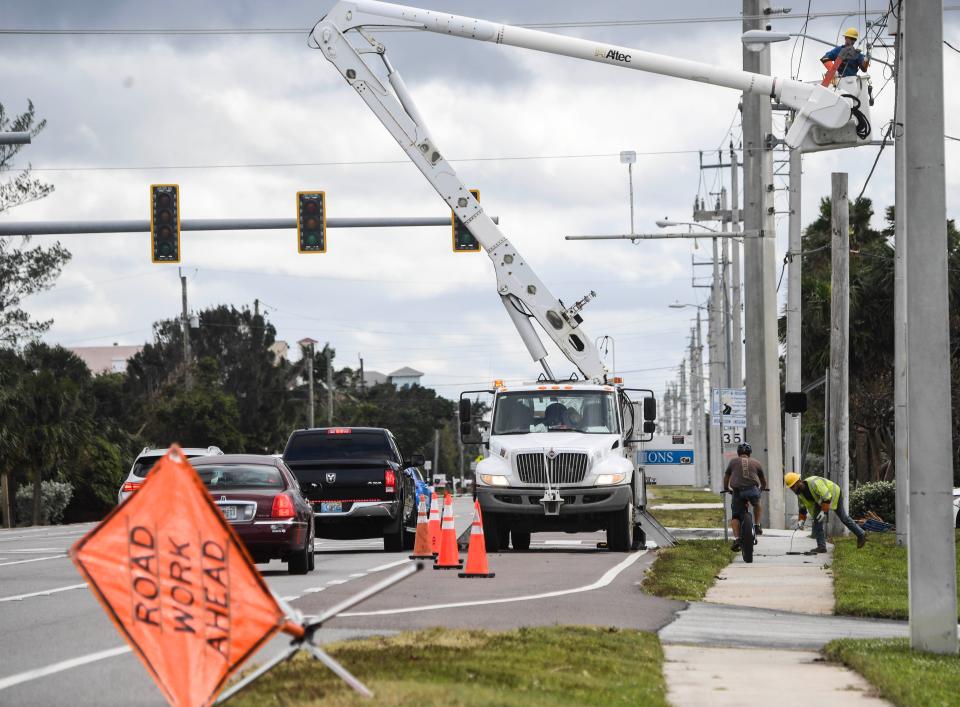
[23, 271]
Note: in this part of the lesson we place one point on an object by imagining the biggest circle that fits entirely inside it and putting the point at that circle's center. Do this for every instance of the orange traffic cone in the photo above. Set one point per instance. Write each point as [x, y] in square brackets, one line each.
[449, 559]
[434, 524]
[421, 547]
[477, 554]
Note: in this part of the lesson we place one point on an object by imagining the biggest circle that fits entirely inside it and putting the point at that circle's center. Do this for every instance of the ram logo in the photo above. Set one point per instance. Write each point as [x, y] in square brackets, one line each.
[331, 478]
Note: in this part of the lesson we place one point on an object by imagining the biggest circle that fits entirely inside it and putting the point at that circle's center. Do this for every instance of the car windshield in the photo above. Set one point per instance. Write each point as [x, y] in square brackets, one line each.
[353, 444]
[234, 476]
[589, 411]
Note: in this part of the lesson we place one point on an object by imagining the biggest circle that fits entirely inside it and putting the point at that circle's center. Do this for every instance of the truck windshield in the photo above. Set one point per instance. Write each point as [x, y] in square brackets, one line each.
[589, 411]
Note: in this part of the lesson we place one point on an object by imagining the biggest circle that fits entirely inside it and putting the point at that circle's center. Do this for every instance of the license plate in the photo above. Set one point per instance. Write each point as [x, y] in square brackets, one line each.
[331, 507]
[229, 512]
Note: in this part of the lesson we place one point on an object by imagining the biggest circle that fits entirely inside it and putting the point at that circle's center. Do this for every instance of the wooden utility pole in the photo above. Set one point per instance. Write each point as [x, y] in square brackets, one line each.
[839, 461]
[328, 353]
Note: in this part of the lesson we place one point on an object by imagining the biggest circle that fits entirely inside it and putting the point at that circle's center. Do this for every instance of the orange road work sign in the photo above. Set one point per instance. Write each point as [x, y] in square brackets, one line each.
[178, 583]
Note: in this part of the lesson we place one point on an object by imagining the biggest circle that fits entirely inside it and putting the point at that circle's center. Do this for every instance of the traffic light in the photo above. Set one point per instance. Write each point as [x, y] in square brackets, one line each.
[312, 221]
[165, 223]
[463, 240]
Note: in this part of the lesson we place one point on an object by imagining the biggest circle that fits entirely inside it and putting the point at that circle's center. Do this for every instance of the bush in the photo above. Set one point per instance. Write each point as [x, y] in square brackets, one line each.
[877, 496]
[54, 497]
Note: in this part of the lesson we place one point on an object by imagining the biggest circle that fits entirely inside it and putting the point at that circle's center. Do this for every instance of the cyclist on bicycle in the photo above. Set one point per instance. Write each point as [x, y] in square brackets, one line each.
[744, 478]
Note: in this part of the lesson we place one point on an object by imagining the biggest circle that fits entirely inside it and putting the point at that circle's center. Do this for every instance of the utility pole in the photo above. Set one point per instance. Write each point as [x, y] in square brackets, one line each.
[736, 360]
[456, 420]
[185, 322]
[839, 430]
[328, 353]
[683, 397]
[931, 547]
[717, 375]
[705, 477]
[901, 432]
[436, 453]
[696, 412]
[362, 381]
[307, 346]
[5, 499]
[792, 462]
[763, 370]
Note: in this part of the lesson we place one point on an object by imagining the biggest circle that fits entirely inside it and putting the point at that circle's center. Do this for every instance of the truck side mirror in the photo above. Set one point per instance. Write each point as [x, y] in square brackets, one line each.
[649, 410]
[465, 410]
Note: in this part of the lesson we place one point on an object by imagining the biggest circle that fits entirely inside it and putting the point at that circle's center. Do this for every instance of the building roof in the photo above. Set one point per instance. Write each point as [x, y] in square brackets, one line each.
[106, 359]
[374, 378]
[405, 372]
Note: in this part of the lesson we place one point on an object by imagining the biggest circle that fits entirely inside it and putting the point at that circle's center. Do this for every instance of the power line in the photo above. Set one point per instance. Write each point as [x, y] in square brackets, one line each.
[576, 24]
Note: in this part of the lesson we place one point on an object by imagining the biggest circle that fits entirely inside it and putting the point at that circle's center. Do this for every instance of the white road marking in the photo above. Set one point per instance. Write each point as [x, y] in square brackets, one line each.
[561, 542]
[56, 535]
[604, 580]
[61, 666]
[46, 592]
[32, 559]
[357, 574]
[389, 565]
[38, 549]
[313, 590]
[337, 581]
[291, 598]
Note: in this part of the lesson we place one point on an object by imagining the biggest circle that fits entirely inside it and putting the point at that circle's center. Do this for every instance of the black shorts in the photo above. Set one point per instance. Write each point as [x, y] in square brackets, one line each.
[738, 504]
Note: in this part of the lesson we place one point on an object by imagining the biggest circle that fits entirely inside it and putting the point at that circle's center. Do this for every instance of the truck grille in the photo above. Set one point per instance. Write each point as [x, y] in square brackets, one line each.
[565, 468]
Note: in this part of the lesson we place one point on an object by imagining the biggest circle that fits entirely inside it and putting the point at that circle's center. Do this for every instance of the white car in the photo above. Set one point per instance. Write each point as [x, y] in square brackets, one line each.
[956, 506]
[145, 461]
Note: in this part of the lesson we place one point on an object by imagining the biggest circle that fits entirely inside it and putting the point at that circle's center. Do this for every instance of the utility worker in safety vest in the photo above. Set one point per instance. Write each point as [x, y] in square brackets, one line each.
[820, 496]
[848, 57]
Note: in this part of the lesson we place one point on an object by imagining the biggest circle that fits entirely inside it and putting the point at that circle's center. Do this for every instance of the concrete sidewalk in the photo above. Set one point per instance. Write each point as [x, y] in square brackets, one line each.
[742, 645]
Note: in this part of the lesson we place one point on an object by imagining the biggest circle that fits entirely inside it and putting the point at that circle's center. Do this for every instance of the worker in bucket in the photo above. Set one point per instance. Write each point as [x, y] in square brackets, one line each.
[848, 57]
[820, 496]
[744, 479]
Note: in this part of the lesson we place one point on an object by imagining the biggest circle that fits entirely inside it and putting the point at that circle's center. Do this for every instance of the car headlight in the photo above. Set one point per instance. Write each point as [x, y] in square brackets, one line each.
[494, 480]
[609, 479]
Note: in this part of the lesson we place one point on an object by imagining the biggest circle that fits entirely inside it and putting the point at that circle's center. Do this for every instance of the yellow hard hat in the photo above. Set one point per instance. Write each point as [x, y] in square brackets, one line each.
[791, 478]
[852, 33]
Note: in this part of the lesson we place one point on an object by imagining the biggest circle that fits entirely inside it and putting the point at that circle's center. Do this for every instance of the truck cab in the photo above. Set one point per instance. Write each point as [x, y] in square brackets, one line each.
[559, 456]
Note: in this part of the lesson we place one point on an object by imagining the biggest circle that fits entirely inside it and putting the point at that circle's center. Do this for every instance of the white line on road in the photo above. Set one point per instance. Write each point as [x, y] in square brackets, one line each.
[32, 559]
[561, 542]
[337, 581]
[56, 535]
[61, 666]
[46, 592]
[389, 565]
[37, 550]
[604, 580]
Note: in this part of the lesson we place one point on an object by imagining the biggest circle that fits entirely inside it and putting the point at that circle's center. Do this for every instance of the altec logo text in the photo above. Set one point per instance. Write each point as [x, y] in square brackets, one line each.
[612, 54]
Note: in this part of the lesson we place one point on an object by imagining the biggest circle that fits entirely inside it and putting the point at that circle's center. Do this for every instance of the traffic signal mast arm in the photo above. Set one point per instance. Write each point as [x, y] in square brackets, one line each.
[521, 291]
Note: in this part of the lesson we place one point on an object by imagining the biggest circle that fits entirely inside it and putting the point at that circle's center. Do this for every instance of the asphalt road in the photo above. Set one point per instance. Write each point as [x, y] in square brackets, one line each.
[57, 647]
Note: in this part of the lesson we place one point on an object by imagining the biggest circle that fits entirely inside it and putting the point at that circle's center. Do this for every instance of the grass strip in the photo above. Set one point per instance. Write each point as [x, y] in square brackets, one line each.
[680, 494]
[904, 677]
[872, 581]
[557, 665]
[690, 518]
[687, 570]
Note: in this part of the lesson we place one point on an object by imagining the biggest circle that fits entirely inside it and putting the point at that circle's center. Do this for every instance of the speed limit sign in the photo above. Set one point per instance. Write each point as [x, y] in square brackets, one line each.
[732, 435]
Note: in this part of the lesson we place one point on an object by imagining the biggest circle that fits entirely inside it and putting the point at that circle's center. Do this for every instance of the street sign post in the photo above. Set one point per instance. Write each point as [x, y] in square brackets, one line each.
[728, 407]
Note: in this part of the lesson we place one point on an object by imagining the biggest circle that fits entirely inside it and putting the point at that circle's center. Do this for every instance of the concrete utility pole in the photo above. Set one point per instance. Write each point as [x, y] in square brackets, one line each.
[328, 353]
[931, 547]
[718, 346]
[794, 383]
[705, 477]
[185, 323]
[696, 413]
[901, 432]
[436, 452]
[683, 397]
[763, 369]
[736, 359]
[839, 430]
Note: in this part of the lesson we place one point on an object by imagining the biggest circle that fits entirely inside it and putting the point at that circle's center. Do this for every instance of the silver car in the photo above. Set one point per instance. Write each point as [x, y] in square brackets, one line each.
[145, 461]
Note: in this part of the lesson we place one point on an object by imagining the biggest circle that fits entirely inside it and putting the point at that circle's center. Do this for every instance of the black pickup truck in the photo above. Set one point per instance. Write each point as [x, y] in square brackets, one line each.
[358, 483]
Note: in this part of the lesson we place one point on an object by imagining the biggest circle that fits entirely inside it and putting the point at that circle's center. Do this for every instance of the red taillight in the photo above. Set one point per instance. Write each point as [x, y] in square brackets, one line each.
[339, 431]
[282, 507]
[131, 486]
[389, 481]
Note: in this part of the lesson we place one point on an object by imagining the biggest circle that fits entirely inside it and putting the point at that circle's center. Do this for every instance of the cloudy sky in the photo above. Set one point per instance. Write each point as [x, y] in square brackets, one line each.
[243, 121]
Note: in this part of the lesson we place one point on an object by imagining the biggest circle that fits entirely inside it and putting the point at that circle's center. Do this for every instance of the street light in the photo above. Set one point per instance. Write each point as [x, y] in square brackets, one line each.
[666, 223]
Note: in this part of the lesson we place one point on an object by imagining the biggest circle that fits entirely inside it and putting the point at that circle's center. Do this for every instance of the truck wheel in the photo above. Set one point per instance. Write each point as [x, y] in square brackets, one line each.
[491, 533]
[521, 540]
[393, 539]
[620, 530]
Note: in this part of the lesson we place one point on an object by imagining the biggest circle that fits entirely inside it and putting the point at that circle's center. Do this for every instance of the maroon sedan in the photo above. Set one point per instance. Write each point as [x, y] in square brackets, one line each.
[261, 499]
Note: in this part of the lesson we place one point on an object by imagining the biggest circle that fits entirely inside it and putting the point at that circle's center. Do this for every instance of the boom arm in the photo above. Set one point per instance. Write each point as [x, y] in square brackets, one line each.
[523, 294]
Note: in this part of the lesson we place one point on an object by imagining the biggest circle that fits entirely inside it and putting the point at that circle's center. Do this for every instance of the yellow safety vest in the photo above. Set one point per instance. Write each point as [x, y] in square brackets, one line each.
[823, 491]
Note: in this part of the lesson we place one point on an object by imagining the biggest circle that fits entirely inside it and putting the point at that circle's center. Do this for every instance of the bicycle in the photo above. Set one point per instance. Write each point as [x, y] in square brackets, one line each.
[747, 537]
